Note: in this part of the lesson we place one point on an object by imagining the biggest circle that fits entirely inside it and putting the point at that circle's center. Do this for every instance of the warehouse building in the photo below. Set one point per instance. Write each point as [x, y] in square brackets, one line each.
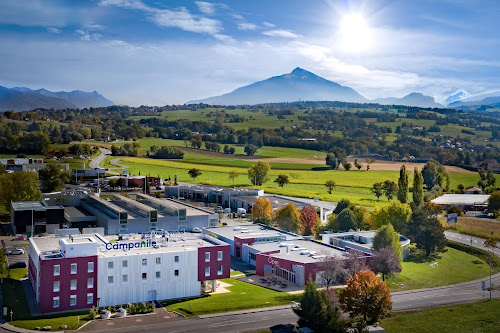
[465, 201]
[222, 196]
[361, 241]
[36, 215]
[78, 272]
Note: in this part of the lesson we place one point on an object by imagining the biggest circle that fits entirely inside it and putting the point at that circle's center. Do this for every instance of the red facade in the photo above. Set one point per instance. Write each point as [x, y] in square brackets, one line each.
[47, 277]
[238, 245]
[213, 263]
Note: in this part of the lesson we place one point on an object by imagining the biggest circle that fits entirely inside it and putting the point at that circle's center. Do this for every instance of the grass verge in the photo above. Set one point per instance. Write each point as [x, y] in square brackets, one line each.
[54, 321]
[454, 266]
[242, 296]
[481, 316]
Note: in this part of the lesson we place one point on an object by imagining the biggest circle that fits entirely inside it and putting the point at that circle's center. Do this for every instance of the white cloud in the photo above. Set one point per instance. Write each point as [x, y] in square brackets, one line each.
[180, 18]
[247, 26]
[94, 27]
[87, 36]
[281, 33]
[269, 25]
[54, 30]
[206, 7]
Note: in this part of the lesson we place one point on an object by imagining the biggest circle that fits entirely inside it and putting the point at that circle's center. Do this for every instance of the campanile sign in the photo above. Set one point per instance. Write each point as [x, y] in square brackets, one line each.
[273, 262]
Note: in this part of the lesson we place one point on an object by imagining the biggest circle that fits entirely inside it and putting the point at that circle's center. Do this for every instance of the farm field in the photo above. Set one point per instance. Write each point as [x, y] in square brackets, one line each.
[353, 185]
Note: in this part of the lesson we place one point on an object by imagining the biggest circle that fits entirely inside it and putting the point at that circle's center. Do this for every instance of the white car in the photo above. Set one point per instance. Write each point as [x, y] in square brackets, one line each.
[227, 210]
[197, 230]
[16, 251]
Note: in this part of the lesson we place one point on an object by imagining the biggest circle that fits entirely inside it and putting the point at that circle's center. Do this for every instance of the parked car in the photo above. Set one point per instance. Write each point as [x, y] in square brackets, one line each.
[197, 230]
[227, 210]
[15, 251]
[218, 209]
[19, 264]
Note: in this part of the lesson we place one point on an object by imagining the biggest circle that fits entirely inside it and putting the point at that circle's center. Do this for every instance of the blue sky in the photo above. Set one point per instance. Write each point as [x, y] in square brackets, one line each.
[163, 52]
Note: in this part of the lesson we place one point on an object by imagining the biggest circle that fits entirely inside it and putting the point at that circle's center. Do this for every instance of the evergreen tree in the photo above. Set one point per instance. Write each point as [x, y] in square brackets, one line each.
[418, 188]
[403, 184]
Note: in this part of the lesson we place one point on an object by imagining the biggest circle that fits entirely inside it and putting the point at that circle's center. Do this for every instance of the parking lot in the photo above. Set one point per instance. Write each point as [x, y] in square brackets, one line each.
[11, 244]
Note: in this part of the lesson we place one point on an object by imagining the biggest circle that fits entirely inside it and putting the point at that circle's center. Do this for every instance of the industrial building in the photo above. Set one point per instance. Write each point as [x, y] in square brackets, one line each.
[464, 201]
[222, 196]
[77, 272]
[361, 241]
[118, 215]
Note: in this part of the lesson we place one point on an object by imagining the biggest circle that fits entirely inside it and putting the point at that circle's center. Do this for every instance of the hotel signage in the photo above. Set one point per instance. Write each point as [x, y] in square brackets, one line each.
[130, 245]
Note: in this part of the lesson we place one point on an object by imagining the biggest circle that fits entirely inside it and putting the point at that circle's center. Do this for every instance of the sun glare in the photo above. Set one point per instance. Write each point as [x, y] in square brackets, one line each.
[354, 33]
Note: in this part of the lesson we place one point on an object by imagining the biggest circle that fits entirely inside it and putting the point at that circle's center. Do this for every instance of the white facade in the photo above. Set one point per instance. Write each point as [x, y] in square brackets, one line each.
[147, 277]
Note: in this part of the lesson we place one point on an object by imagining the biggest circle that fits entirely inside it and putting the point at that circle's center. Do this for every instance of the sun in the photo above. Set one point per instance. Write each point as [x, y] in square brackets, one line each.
[355, 35]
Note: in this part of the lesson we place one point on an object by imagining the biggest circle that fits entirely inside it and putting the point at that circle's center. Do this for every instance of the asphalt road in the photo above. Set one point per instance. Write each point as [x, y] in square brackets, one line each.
[466, 239]
[96, 161]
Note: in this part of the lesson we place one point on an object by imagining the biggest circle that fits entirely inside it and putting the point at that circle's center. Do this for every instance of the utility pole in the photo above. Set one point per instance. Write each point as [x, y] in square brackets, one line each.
[32, 223]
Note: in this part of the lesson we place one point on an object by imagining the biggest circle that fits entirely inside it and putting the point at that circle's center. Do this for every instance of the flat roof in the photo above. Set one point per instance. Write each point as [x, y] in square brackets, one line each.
[170, 205]
[73, 211]
[462, 199]
[106, 203]
[215, 188]
[32, 205]
[291, 250]
[250, 230]
[176, 243]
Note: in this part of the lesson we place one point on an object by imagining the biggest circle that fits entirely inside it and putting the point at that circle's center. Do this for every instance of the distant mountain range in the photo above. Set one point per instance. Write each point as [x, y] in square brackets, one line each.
[306, 86]
[477, 100]
[25, 99]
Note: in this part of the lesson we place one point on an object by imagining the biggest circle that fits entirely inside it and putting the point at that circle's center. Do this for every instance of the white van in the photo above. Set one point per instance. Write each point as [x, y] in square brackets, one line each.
[241, 212]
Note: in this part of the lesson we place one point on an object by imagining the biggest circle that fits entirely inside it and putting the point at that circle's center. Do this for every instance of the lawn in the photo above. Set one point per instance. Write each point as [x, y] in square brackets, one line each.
[242, 296]
[478, 317]
[54, 321]
[453, 267]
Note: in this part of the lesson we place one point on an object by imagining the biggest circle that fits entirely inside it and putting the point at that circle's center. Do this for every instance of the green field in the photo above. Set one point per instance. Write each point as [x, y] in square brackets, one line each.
[453, 267]
[480, 317]
[353, 185]
[242, 296]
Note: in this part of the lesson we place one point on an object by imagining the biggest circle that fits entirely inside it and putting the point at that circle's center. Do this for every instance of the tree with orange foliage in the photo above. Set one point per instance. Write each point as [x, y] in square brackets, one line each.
[366, 295]
[262, 210]
[309, 220]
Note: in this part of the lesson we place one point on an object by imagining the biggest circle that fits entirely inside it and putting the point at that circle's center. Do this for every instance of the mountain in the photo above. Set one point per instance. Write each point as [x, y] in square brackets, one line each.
[413, 99]
[25, 99]
[485, 101]
[21, 100]
[297, 85]
[456, 97]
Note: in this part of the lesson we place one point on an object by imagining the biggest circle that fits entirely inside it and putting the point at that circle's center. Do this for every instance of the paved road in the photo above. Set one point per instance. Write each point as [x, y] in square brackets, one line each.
[96, 161]
[466, 239]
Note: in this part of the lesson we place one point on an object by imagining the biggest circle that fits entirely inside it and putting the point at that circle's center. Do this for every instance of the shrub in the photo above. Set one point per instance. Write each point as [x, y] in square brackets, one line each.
[455, 209]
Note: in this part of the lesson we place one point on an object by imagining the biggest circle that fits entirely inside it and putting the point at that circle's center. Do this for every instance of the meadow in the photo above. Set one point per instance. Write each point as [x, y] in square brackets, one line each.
[353, 185]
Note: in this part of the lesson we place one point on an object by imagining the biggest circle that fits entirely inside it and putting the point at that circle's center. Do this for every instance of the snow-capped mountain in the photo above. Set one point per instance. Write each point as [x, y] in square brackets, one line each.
[456, 97]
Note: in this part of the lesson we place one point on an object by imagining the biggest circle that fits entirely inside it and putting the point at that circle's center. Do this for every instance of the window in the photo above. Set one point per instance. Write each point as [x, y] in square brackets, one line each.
[252, 256]
[55, 302]
[158, 275]
[90, 283]
[73, 268]
[219, 270]
[176, 272]
[144, 262]
[207, 271]
[158, 260]
[110, 279]
[57, 270]
[124, 263]
[207, 256]
[56, 287]
[90, 298]
[125, 278]
[110, 265]
[72, 300]
[144, 276]
[73, 285]
[219, 255]
[90, 268]
[176, 259]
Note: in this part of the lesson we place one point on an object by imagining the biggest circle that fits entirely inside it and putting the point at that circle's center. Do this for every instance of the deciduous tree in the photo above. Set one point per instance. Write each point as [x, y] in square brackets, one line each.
[288, 218]
[233, 175]
[367, 296]
[330, 184]
[378, 190]
[346, 220]
[194, 173]
[386, 237]
[262, 209]
[390, 189]
[386, 262]
[282, 180]
[331, 269]
[258, 173]
[53, 178]
[309, 220]
[19, 186]
[395, 213]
